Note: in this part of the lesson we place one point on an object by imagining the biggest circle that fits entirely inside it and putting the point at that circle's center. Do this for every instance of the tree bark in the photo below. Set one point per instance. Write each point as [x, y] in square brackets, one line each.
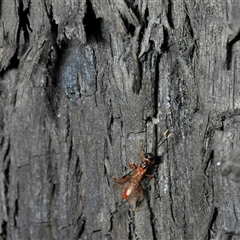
[82, 83]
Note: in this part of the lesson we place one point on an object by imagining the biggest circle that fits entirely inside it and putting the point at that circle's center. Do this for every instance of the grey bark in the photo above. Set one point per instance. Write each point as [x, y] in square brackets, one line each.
[83, 82]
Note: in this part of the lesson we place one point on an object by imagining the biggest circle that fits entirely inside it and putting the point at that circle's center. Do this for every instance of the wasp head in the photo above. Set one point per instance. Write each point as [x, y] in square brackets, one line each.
[149, 156]
[147, 161]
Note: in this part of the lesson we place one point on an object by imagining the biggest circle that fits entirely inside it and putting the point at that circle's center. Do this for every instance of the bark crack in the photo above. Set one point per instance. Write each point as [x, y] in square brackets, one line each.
[92, 24]
[6, 182]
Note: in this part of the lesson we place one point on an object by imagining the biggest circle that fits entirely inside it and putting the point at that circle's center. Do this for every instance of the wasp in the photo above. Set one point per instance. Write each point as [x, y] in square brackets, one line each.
[132, 181]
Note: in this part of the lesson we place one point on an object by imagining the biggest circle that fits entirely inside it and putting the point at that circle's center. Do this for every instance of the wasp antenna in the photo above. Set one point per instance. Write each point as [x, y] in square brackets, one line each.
[167, 134]
[158, 145]
[166, 131]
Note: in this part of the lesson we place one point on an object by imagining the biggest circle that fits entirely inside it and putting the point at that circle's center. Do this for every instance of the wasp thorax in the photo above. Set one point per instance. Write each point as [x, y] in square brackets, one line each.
[144, 165]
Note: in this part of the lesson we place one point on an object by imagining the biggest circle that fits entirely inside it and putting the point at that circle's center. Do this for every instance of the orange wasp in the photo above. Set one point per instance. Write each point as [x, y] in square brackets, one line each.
[132, 181]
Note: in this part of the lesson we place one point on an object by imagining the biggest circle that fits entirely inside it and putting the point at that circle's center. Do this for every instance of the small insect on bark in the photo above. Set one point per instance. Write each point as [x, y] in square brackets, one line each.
[132, 181]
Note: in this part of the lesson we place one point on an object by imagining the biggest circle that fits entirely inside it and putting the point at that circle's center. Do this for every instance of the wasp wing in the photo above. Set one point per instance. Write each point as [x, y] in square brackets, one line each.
[121, 183]
[135, 197]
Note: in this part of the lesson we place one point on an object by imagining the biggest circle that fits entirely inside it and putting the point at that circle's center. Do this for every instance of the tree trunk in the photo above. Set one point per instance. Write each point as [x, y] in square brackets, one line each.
[82, 83]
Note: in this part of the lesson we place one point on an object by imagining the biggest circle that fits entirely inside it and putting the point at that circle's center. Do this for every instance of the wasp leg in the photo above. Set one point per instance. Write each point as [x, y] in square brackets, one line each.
[149, 175]
[142, 156]
[132, 166]
[150, 162]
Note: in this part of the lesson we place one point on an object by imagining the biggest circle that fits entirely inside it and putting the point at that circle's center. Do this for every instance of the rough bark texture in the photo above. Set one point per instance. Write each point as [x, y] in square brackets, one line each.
[83, 82]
